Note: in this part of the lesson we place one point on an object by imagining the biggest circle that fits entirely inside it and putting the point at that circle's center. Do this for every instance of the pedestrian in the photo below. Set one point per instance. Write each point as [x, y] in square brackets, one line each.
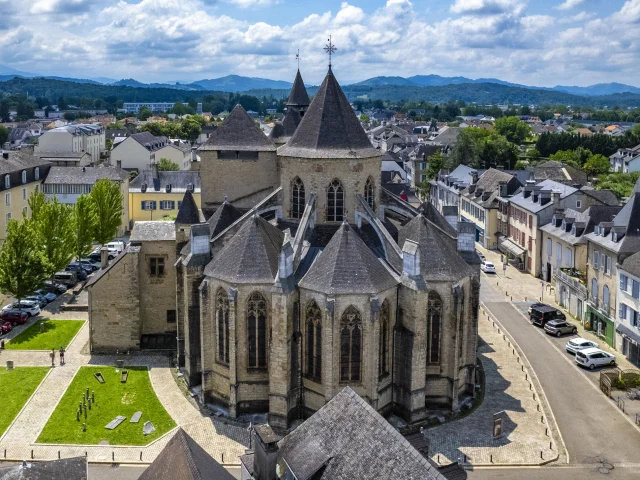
[61, 355]
[53, 357]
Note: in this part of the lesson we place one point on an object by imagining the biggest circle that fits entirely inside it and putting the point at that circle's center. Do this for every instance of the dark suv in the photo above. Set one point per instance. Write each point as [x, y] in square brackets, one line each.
[541, 314]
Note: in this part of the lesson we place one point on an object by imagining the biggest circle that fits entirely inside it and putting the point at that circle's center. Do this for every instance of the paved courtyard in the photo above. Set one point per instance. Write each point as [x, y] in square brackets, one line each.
[225, 442]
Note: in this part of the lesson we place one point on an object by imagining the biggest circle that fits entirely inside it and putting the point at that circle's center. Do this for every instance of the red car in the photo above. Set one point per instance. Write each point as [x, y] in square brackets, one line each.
[5, 328]
[15, 317]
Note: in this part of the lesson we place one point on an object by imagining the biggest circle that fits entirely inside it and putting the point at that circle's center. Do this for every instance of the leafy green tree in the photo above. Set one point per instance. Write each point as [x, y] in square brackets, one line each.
[497, 151]
[108, 143]
[621, 184]
[23, 264]
[144, 113]
[106, 202]
[53, 222]
[575, 158]
[520, 165]
[181, 109]
[5, 114]
[154, 128]
[167, 165]
[191, 129]
[597, 165]
[514, 129]
[469, 145]
[4, 135]
[364, 118]
[84, 224]
[436, 162]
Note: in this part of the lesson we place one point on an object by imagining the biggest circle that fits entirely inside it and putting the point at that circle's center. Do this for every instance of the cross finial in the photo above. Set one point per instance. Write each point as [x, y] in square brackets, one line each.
[298, 59]
[330, 48]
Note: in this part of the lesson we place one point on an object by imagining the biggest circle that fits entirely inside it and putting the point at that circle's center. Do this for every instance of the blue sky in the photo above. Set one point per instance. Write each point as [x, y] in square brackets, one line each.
[536, 42]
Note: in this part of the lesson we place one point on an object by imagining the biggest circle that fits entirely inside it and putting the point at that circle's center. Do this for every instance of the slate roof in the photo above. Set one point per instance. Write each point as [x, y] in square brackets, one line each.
[148, 141]
[632, 264]
[179, 181]
[439, 259]
[251, 256]
[329, 128]
[348, 440]
[20, 160]
[431, 213]
[588, 219]
[188, 212]
[284, 130]
[84, 175]
[223, 217]
[347, 265]
[153, 231]
[74, 468]
[183, 459]
[239, 132]
[489, 182]
[559, 172]
[605, 196]
[528, 203]
[298, 96]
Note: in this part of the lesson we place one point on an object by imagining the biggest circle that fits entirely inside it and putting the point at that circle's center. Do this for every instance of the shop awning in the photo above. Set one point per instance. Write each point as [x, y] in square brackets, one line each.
[628, 332]
[512, 248]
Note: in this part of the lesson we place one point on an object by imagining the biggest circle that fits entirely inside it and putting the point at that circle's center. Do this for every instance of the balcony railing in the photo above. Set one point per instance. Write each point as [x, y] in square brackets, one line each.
[574, 283]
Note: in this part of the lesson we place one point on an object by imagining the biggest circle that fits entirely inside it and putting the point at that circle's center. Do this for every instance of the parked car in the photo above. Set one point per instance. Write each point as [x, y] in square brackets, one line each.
[579, 343]
[80, 268]
[55, 286]
[542, 314]
[481, 255]
[559, 327]
[487, 267]
[534, 305]
[66, 278]
[95, 256]
[114, 248]
[39, 299]
[31, 308]
[81, 273]
[46, 294]
[15, 317]
[5, 328]
[594, 357]
[90, 264]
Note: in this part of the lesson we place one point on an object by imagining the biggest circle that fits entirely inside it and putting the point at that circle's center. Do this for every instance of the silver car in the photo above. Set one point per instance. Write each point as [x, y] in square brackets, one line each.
[559, 327]
[579, 343]
[594, 357]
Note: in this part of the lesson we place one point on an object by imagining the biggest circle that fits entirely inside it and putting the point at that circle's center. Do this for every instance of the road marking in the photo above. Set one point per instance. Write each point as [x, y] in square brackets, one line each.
[575, 367]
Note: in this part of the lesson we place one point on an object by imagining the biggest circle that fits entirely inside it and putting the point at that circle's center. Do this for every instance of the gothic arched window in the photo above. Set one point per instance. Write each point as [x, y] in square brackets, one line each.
[314, 341]
[434, 326]
[297, 198]
[350, 345]
[222, 322]
[335, 202]
[257, 330]
[368, 192]
[383, 363]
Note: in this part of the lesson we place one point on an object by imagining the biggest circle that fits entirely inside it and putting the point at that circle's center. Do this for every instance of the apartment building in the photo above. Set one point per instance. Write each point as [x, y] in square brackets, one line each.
[89, 138]
[140, 150]
[627, 333]
[163, 107]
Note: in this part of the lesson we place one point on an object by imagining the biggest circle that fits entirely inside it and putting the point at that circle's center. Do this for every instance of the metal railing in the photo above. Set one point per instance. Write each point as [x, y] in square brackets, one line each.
[573, 283]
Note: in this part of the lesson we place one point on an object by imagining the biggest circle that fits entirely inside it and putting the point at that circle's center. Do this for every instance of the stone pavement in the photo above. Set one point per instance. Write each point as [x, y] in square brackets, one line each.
[508, 387]
[222, 440]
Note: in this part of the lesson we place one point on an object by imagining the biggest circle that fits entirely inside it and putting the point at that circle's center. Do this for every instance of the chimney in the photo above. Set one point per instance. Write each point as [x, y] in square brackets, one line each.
[104, 257]
[450, 214]
[265, 453]
[545, 197]
[119, 164]
[410, 259]
[466, 236]
[502, 189]
[474, 177]
[5, 155]
[555, 197]
[285, 260]
[154, 170]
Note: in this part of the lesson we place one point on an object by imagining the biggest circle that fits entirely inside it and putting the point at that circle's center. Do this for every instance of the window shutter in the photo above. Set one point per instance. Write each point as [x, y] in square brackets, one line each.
[530, 221]
[636, 289]
[622, 311]
[623, 282]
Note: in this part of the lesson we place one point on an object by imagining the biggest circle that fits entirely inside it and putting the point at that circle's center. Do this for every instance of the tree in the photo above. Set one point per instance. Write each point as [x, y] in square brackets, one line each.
[84, 224]
[144, 113]
[4, 135]
[53, 222]
[167, 165]
[364, 118]
[497, 151]
[621, 184]
[5, 114]
[191, 129]
[108, 143]
[514, 129]
[576, 158]
[106, 202]
[23, 265]
[469, 145]
[520, 165]
[597, 165]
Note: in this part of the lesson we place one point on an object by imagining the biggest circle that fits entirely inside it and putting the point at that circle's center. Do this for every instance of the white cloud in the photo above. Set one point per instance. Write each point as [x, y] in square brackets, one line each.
[568, 4]
[349, 14]
[253, 3]
[487, 6]
[579, 17]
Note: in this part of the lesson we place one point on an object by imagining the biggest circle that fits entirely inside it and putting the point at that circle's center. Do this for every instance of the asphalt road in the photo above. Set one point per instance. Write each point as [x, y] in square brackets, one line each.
[591, 426]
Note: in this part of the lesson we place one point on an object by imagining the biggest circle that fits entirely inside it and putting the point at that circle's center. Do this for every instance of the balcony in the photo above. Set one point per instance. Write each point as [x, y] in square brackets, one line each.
[575, 280]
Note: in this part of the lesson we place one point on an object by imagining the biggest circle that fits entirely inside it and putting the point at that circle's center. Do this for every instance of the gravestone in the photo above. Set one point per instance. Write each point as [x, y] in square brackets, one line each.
[498, 421]
[9, 364]
[99, 377]
[124, 375]
[136, 417]
[148, 428]
[115, 422]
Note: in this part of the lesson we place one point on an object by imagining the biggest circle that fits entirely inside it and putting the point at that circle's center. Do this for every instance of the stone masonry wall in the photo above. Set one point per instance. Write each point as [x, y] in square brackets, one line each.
[157, 294]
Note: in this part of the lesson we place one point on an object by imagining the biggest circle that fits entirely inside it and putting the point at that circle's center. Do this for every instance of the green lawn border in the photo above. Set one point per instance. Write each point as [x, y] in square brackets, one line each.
[84, 322]
[28, 399]
[35, 442]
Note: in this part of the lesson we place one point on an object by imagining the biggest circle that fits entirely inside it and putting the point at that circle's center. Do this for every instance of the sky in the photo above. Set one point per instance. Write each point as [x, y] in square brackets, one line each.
[535, 42]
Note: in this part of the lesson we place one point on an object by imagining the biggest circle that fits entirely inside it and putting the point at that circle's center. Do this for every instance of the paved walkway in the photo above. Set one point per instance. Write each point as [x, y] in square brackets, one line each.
[221, 440]
[508, 388]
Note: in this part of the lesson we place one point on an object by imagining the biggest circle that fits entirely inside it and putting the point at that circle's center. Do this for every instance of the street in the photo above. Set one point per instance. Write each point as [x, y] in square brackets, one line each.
[597, 436]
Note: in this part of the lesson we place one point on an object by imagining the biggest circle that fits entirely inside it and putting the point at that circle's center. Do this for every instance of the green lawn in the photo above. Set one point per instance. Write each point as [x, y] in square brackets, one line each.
[16, 386]
[57, 333]
[112, 399]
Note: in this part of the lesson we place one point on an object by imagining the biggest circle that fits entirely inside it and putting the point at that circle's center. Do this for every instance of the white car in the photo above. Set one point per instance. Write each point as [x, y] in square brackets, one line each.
[487, 267]
[481, 255]
[32, 309]
[579, 343]
[594, 357]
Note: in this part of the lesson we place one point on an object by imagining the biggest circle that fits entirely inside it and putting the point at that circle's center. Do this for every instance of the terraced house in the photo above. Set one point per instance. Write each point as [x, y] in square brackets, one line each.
[20, 175]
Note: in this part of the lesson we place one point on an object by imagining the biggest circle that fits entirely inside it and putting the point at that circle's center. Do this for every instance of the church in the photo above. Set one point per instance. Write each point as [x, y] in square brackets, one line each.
[300, 275]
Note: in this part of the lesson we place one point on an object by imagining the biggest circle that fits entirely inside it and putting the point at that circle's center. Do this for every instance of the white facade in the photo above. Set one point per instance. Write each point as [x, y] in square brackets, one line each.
[132, 155]
[179, 155]
[163, 107]
[628, 315]
[73, 139]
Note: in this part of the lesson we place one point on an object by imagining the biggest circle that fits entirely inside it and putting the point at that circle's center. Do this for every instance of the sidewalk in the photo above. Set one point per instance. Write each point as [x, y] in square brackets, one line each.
[522, 287]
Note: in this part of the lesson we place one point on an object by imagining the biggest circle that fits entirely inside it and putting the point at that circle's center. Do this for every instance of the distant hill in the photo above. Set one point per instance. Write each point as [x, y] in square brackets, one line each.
[236, 83]
[130, 82]
[598, 89]
[376, 81]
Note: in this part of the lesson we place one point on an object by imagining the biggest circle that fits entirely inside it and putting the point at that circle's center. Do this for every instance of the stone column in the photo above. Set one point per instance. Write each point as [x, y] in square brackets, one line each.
[330, 374]
[372, 351]
[279, 360]
[233, 361]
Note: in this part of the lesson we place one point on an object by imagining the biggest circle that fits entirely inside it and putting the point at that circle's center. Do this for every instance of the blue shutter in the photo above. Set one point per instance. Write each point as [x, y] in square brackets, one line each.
[623, 282]
[636, 289]
[154, 205]
[623, 311]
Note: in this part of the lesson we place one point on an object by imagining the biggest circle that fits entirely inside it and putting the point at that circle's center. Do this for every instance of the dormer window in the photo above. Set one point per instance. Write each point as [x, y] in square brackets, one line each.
[574, 230]
[554, 220]
[614, 236]
[564, 225]
[37, 173]
[24, 176]
[7, 181]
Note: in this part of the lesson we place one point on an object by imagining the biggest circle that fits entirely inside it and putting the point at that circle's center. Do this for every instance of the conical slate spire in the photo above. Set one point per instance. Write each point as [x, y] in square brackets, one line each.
[329, 128]
[188, 213]
[284, 130]
[223, 217]
[298, 96]
[238, 132]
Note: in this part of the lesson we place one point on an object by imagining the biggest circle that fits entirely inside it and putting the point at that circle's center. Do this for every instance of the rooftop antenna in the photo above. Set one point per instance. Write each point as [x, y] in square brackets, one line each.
[330, 48]
[298, 59]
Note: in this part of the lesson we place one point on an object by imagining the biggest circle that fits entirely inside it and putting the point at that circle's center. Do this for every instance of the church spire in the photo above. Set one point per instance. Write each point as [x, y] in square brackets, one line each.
[298, 98]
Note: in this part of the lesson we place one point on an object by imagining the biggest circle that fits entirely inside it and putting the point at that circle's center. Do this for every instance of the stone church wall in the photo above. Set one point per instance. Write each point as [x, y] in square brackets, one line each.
[157, 294]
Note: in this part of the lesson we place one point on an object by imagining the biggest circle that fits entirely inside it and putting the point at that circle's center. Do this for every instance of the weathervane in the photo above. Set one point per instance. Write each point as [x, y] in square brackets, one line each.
[330, 48]
[298, 58]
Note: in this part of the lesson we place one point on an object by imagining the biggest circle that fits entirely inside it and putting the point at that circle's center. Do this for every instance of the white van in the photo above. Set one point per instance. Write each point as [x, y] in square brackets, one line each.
[114, 248]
